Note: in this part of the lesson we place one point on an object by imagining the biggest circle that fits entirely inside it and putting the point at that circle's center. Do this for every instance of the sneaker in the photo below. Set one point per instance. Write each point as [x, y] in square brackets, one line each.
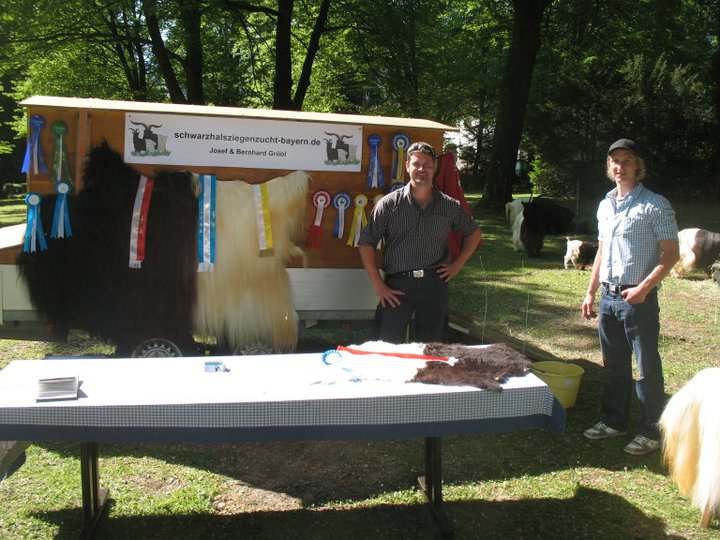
[641, 445]
[602, 431]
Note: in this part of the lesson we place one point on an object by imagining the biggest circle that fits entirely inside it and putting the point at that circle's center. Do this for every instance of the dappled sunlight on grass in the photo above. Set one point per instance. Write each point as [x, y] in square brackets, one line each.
[524, 484]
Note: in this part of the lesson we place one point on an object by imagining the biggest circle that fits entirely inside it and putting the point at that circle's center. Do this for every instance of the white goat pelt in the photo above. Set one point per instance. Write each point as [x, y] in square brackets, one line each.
[246, 299]
[691, 441]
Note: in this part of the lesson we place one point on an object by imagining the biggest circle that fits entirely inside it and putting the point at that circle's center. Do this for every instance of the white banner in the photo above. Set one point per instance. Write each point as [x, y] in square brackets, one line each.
[210, 141]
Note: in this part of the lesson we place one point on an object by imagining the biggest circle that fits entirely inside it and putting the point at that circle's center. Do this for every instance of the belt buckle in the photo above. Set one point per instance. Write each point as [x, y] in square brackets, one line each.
[418, 273]
[611, 287]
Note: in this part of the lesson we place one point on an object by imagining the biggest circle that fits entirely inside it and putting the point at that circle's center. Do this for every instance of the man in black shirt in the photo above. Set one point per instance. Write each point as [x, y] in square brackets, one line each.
[414, 223]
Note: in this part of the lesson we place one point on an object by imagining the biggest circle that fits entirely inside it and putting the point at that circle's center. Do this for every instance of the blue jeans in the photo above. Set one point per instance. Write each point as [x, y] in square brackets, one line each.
[625, 329]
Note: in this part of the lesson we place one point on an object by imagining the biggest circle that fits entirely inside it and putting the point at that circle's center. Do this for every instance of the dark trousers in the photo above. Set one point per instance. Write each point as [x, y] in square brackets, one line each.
[427, 298]
[627, 329]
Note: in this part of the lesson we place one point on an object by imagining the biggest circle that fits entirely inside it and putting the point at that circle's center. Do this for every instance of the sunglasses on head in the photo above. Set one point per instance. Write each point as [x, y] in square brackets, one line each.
[421, 148]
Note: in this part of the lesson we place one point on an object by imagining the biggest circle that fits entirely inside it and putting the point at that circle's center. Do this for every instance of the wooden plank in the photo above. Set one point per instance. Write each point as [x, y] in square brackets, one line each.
[172, 108]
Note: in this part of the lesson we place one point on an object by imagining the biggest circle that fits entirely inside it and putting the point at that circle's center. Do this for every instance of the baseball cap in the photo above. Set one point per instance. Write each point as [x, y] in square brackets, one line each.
[626, 144]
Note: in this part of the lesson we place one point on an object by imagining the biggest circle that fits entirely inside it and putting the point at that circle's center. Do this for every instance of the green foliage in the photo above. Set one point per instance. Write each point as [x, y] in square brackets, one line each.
[10, 189]
[548, 179]
[626, 69]
[605, 69]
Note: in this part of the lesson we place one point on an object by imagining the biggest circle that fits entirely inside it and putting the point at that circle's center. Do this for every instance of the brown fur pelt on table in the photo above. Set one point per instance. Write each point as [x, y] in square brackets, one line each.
[486, 367]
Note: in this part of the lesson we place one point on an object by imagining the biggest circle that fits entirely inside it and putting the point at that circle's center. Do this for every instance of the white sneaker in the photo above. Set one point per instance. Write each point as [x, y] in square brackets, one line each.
[641, 445]
[602, 431]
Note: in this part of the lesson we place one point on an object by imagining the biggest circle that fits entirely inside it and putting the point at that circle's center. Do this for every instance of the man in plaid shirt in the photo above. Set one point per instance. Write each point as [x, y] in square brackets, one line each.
[414, 223]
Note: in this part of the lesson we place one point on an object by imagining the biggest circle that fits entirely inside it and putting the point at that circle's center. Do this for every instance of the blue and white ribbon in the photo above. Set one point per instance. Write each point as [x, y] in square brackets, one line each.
[34, 234]
[61, 218]
[331, 356]
[400, 143]
[396, 185]
[206, 223]
[375, 178]
[341, 202]
[34, 156]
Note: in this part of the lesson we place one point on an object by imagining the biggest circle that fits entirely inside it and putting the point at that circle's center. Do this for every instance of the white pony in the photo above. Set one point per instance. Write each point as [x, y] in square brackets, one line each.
[691, 441]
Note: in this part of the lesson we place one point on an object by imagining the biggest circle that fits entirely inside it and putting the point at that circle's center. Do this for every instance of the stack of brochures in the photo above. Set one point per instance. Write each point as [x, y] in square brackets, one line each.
[58, 388]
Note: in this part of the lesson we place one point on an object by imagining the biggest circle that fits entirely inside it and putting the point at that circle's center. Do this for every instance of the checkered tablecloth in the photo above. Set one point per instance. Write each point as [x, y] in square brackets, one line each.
[269, 397]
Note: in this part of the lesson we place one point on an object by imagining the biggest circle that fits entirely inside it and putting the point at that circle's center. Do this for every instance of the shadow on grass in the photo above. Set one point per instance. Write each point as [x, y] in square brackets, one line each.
[589, 513]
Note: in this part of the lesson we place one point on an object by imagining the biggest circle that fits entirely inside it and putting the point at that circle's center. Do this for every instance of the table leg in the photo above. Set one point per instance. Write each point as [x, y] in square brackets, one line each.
[94, 497]
[431, 485]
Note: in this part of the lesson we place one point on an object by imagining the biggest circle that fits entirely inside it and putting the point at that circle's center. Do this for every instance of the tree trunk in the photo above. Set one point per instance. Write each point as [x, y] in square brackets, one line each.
[716, 108]
[161, 54]
[313, 47]
[514, 92]
[282, 85]
[191, 15]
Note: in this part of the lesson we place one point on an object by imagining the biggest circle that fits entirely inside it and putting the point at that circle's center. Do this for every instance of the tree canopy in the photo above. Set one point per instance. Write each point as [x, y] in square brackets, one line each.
[550, 81]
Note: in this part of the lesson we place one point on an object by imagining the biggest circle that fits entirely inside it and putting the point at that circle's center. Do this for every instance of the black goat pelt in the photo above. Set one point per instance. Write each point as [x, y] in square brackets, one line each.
[85, 282]
[485, 367]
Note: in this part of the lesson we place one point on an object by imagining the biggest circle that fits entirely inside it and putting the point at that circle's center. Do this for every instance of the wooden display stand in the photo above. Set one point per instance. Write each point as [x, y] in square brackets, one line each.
[336, 286]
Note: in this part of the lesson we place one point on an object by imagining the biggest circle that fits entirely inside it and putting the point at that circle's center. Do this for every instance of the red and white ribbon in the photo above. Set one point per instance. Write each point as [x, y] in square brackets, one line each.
[138, 224]
[413, 356]
[321, 200]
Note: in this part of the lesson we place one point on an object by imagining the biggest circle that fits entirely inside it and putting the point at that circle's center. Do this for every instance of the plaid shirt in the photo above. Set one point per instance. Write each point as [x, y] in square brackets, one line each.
[630, 231]
[415, 237]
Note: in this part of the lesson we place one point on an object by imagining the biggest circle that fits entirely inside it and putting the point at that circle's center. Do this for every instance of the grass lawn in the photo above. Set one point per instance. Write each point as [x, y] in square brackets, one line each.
[529, 484]
[12, 211]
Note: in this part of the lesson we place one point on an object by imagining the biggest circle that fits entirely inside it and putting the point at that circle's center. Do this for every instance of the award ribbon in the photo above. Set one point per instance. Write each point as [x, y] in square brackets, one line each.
[320, 200]
[34, 233]
[396, 185]
[375, 178]
[359, 220]
[138, 224]
[61, 218]
[61, 164]
[400, 143]
[264, 222]
[34, 155]
[206, 223]
[341, 202]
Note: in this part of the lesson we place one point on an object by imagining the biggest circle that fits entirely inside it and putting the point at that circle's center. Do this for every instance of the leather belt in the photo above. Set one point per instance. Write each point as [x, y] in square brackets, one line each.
[414, 273]
[617, 289]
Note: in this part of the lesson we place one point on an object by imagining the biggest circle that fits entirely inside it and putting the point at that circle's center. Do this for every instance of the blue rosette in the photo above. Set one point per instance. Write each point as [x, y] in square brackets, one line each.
[375, 178]
[341, 202]
[34, 155]
[61, 217]
[34, 234]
